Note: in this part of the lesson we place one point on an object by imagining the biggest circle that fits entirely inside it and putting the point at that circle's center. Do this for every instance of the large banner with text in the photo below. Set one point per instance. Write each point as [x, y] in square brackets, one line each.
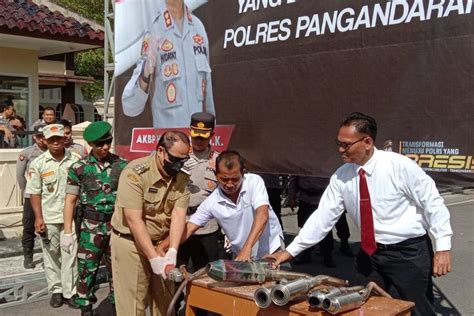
[285, 72]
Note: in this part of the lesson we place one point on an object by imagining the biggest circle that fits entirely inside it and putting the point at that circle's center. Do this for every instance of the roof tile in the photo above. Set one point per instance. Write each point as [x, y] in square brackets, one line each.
[25, 14]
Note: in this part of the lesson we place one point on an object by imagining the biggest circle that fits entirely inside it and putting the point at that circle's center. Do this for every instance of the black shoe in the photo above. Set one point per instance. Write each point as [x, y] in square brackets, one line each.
[28, 263]
[56, 300]
[87, 310]
[346, 250]
[329, 262]
[71, 302]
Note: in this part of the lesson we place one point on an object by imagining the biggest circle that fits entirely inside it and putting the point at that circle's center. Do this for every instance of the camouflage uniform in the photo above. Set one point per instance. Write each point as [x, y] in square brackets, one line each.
[96, 184]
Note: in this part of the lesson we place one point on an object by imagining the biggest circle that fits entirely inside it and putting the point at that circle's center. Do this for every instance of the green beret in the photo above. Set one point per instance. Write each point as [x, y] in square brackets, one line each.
[96, 131]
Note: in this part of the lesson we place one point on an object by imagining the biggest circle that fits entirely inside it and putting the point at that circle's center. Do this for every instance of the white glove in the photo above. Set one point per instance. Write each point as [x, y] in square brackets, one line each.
[158, 265]
[171, 256]
[67, 242]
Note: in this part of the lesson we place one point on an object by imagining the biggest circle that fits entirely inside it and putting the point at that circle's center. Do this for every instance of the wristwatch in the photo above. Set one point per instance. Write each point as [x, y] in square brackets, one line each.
[142, 75]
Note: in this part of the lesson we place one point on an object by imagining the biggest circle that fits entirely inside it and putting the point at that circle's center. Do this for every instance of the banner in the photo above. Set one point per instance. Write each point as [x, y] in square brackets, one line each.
[285, 73]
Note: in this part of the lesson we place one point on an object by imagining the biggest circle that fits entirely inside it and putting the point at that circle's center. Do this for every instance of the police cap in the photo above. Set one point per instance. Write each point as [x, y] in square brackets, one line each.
[96, 131]
[202, 124]
[38, 129]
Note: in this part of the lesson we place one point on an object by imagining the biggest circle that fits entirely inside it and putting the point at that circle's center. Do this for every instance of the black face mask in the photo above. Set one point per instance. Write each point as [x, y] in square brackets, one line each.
[172, 168]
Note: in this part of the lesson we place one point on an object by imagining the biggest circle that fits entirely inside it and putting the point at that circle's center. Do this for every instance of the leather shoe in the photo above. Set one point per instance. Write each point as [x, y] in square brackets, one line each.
[56, 300]
[329, 262]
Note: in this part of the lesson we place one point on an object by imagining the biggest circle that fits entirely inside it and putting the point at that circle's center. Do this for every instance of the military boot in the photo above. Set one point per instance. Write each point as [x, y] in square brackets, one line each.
[87, 311]
[28, 262]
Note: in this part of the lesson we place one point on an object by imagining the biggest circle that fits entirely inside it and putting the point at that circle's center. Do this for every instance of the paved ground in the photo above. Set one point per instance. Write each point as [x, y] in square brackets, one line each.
[454, 292]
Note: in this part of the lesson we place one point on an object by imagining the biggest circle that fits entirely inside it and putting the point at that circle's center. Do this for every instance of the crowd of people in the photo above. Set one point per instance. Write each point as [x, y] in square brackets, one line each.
[180, 204]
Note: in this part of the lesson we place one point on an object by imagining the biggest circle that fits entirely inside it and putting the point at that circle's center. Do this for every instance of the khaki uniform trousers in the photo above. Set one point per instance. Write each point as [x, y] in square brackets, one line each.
[135, 284]
[60, 266]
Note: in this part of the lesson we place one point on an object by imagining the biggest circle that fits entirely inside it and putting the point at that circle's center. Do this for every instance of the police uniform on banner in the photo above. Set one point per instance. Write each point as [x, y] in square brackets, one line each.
[48, 178]
[203, 246]
[23, 163]
[182, 78]
[141, 186]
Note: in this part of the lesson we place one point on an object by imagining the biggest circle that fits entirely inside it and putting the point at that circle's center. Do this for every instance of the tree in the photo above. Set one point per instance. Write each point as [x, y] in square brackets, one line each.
[89, 63]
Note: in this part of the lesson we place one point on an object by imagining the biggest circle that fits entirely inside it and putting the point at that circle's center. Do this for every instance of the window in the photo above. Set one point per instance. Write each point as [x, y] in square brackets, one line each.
[79, 113]
[97, 116]
[72, 112]
[17, 90]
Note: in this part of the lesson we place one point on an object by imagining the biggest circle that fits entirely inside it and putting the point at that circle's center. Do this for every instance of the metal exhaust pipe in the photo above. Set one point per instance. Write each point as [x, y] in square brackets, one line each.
[262, 297]
[315, 298]
[281, 294]
[345, 302]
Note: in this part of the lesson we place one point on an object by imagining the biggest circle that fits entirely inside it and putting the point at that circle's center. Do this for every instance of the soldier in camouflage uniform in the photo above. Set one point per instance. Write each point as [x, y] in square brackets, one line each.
[93, 180]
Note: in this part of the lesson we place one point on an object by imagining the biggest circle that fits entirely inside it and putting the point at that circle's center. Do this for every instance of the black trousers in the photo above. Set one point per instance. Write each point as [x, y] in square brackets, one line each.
[28, 220]
[274, 197]
[201, 249]
[327, 244]
[408, 268]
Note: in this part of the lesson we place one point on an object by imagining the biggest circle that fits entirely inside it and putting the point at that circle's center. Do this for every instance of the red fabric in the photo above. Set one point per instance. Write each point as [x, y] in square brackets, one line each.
[366, 219]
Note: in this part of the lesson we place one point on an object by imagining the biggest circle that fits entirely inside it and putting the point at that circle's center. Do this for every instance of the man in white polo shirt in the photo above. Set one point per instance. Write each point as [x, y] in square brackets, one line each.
[241, 208]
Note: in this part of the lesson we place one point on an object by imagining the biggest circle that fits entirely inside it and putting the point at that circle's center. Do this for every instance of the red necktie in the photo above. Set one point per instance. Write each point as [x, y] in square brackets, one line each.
[366, 220]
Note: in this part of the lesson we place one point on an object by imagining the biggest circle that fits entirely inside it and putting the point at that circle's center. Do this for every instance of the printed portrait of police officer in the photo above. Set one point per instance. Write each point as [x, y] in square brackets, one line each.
[173, 70]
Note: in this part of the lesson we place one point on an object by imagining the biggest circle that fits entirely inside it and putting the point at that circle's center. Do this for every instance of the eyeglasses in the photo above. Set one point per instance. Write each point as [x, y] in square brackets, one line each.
[346, 146]
[173, 159]
[101, 143]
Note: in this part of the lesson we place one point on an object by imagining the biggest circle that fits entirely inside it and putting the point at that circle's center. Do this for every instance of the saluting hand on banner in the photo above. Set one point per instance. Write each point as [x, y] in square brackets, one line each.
[150, 49]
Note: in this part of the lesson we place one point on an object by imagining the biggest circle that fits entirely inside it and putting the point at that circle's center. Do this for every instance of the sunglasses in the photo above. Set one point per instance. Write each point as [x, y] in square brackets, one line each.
[346, 146]
[101, 143]
[174, 159]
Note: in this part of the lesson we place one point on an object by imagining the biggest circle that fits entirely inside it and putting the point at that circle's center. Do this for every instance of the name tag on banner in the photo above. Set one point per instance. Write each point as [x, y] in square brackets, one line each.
[145, 139]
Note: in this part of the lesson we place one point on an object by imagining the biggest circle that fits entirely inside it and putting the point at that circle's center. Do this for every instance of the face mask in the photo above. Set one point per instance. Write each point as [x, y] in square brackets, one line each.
[172, 168]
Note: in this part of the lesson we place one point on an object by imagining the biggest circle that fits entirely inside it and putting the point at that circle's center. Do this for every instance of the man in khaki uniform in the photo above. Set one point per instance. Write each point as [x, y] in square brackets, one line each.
[152, 199]
[203, 246]
[47, 178]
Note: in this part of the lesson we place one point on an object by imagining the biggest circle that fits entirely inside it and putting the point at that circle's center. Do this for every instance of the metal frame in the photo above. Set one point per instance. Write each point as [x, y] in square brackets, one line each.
[109, 56]
[21, 289]
[31, 287]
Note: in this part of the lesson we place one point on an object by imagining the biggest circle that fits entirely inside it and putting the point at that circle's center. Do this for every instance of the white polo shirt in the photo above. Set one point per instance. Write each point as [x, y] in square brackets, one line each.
[236, 219]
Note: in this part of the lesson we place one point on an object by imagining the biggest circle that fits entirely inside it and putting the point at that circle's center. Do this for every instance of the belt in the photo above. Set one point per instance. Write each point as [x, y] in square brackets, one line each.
[96, 216]
[402, 244]
[191, 210]
[130, 237]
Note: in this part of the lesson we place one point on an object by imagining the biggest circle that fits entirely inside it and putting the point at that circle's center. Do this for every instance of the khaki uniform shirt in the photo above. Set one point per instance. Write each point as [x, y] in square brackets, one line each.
[202, 182]
[48, 177]
[141, 187]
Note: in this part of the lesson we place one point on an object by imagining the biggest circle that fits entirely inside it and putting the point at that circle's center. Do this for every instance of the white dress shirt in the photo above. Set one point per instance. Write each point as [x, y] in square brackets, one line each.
[404, 199]
[237, 219]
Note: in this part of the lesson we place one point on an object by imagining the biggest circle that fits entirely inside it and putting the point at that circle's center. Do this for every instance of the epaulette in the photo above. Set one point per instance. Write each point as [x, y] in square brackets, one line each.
[141, 168]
